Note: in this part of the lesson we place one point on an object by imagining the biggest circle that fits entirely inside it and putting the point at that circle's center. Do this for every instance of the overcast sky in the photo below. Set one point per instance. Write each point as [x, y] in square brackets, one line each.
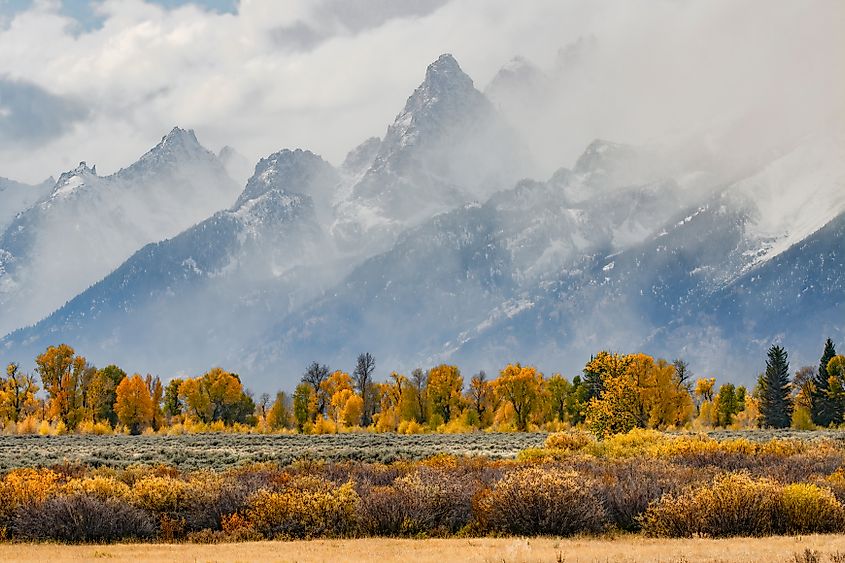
[102, 81]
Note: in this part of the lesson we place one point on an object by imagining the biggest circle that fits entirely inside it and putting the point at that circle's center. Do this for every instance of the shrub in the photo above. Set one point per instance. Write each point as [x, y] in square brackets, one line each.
[99, 487]
[25, 487]
[80, 518]
[159, 495]
[428, 501]
[733, 505]
[570, 440]
[809, 509]
[628, 487]
[304, 512]
[541, 501]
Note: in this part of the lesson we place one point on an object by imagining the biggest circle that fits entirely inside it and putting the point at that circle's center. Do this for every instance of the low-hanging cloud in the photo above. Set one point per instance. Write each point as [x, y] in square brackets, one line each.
[722, 75]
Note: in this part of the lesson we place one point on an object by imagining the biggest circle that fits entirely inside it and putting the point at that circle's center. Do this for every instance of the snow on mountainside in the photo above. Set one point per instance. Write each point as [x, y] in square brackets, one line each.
[185, 301]
[89, 224]
[16, 197]
[446, 148]
[794, 195]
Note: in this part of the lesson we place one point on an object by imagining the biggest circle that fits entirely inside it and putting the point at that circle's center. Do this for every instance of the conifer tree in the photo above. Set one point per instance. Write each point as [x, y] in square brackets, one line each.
[775, 399]
[823, 410]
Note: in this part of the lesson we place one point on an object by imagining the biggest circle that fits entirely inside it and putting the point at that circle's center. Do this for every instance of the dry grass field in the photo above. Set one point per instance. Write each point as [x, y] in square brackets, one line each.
[485, 550]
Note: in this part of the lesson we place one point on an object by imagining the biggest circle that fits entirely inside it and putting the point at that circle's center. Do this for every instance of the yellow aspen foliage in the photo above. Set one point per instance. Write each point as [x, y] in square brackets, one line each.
[616, 411]
[445, 391]
[704, 388]
[216, 395]
[17, 394]
[352, 409]
[522, 387]
[61, 372]
[134, 406]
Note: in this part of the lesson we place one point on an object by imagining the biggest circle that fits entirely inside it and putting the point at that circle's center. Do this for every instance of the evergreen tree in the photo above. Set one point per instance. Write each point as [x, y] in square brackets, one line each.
[775, 399]
[824, 411]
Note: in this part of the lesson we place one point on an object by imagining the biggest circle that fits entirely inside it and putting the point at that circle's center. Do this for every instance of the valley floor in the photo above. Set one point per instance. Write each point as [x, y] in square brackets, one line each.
[482, 550]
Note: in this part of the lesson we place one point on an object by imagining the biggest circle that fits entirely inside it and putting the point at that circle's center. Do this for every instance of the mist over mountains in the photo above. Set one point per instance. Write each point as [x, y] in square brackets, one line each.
[443, 240]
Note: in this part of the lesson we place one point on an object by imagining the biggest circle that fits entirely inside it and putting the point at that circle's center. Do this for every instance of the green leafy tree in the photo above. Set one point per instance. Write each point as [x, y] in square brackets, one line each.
[173, 405]
[303, 399]
[727, 405]
[101, 394]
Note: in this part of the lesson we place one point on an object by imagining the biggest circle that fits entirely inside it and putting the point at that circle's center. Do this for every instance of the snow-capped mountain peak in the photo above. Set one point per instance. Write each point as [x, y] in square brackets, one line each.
[293, 171]
[72, 180]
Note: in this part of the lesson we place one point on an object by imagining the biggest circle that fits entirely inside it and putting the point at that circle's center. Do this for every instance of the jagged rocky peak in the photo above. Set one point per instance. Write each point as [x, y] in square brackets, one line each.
[294, 171]
[361, 157]
[74, 179]
[82, 169]
[179, 144]
[446, 73]
[446, 89]
[179, 137]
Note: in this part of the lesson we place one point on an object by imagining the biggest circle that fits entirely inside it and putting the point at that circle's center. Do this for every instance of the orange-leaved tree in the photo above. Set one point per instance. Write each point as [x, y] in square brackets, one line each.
[61, 372]
[134, 406]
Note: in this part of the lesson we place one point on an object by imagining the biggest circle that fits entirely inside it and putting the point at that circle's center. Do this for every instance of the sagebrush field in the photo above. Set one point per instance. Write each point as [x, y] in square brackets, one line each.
[643, 482]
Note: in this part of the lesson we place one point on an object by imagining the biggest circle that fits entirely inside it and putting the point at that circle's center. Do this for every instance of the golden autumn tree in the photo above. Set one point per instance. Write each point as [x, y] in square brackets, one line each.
[615, 410]
[156, 390]
[280, 414]
[704, 389]
[636, 391]
[61, 372]
[17, 394]
[347, 407]
[216, 395]
[664, 400]
[134, 406]
[522, 387]
[390, 399]
[445, 391]
[338, 389]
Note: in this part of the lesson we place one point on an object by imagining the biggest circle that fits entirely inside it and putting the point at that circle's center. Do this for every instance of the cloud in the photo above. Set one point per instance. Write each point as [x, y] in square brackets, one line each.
[31, 116]
[327, 74]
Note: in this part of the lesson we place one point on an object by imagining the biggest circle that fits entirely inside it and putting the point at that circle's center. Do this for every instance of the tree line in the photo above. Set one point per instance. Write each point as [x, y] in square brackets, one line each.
[614, 393]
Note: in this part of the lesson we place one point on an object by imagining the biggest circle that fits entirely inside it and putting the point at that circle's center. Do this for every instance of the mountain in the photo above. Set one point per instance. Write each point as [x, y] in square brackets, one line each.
[89, 224]
[553, 271]
[447, 147]
[430, 244]
[16, 197]
[758, 261]
[447, 275]
[182, 302]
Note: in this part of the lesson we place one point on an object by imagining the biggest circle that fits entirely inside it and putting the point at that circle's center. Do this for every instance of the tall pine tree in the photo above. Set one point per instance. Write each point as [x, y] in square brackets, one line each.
[775, 400]
[824, 411]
